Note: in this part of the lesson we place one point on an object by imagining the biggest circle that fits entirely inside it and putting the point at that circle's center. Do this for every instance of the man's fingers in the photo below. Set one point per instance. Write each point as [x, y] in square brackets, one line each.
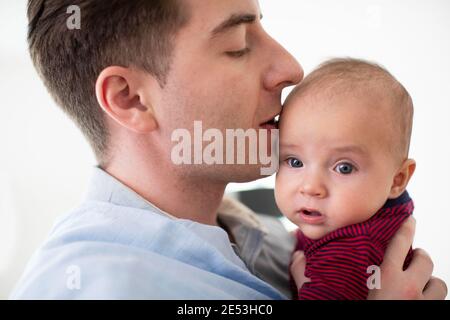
[421, 266]
[298, 268]
[399, 245]
[436, 289]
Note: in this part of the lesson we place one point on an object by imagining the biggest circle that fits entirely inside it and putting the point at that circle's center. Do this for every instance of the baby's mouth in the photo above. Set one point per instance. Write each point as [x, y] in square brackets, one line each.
[311, 216]
[311, 213]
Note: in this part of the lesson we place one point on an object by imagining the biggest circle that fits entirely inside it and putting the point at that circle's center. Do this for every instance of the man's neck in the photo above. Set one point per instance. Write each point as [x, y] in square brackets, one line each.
[191, 199]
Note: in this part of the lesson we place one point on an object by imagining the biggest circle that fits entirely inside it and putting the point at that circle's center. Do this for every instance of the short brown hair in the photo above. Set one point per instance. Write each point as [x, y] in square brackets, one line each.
[359, 77]
[114, 32]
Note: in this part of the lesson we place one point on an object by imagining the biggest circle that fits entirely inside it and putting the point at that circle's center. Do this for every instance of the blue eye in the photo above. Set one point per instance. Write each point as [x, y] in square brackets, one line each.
[344, 168]
[294, 163]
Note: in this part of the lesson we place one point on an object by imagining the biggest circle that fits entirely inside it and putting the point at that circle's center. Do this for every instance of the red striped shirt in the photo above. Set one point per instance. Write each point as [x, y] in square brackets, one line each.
[337, 263]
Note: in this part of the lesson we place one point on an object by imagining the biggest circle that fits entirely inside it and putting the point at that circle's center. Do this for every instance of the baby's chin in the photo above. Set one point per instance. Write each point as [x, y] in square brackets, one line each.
[315, 232]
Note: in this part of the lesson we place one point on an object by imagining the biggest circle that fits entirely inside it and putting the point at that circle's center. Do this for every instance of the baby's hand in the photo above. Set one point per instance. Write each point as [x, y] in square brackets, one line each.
[298, 268]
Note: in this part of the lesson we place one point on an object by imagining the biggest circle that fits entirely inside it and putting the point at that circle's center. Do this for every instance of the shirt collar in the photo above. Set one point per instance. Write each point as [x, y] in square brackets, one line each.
[105, 188]
[241, 221]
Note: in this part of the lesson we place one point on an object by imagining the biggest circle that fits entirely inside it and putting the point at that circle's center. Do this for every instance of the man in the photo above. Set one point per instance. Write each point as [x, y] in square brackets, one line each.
[132, 75]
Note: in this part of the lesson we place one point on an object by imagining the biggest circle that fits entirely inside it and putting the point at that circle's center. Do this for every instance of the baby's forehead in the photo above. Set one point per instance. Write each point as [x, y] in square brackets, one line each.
[331, 133]
[350, 77]
[366, 100]
[351, 109]
[364, 117]
[372, 86]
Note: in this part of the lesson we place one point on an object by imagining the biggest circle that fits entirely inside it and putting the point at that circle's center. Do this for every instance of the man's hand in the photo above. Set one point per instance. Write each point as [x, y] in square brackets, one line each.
[298, 268]
[415, 282]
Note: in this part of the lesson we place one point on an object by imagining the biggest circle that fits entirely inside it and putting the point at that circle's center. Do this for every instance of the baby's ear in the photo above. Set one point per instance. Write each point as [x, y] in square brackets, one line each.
[402, 177]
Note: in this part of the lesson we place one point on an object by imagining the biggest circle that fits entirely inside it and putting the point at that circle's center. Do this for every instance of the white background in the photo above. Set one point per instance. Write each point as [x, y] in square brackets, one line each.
[45, 163]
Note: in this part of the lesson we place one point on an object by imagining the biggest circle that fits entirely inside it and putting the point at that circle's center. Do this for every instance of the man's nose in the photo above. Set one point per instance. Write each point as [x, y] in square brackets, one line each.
[312, 186]
[284, 69]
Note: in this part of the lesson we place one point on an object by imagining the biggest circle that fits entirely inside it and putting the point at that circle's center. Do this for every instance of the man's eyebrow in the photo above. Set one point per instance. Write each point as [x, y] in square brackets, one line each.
[233, 21]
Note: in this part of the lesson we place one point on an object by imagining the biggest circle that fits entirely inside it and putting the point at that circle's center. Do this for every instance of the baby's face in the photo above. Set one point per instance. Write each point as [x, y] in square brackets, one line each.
[335, 165]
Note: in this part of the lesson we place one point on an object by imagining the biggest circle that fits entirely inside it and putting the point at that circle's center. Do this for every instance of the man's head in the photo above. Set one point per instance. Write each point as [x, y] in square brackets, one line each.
[344, 140]
[113, 33]
[219, 67]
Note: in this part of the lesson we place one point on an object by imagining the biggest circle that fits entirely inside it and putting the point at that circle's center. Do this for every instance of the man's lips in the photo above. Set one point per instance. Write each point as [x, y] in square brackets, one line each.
[311, 216]
[271, 123]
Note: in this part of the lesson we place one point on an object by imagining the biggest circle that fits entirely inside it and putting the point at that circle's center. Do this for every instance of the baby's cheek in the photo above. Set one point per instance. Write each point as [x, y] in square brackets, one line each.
[357, 210]
[282, 194]
[279, 195]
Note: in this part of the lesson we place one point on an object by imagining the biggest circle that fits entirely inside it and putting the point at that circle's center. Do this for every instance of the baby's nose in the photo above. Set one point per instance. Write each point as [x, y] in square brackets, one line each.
[313, 188]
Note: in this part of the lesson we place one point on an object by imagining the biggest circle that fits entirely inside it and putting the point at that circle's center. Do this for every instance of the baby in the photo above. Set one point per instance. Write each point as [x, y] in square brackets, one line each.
[344, 167]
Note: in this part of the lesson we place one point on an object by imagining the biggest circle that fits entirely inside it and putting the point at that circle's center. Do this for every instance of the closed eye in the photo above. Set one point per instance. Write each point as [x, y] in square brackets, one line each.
[239, 53]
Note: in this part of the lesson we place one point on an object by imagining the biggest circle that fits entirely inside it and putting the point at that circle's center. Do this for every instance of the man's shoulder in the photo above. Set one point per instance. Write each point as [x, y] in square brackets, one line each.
[108, 252]
[95, 270]
[95, 247]
[95, 221]
[104, 246]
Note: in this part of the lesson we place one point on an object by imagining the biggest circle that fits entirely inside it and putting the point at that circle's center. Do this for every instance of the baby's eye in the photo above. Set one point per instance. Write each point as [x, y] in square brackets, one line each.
[344, 168]
[294, 163]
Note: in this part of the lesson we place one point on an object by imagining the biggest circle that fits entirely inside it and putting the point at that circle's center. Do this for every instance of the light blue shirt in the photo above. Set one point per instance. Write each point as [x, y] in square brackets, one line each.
[116, 245]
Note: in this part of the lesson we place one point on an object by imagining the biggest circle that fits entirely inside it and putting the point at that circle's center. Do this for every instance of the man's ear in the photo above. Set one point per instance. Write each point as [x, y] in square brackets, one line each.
[120, 92]
[402, 177]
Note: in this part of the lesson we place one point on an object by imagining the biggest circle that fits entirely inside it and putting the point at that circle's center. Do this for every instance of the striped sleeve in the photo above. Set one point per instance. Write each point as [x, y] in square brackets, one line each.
[338, 271]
